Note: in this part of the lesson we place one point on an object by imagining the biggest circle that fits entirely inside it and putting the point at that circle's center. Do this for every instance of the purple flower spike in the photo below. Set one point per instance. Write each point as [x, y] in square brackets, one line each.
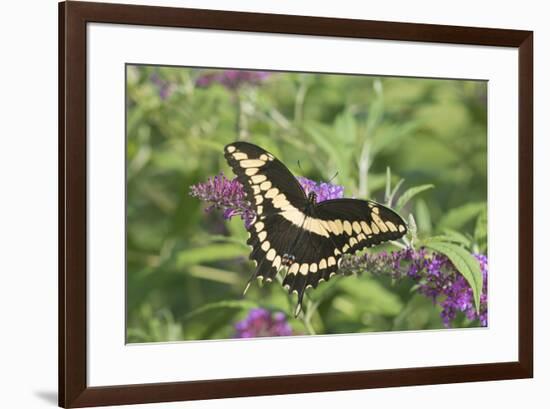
[436, 276]
[227, 195]
[232, 79]
[324, 191]
[262, 323]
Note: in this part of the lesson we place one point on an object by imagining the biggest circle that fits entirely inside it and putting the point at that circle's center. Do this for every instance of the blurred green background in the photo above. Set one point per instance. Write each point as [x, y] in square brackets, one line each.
[186, 269]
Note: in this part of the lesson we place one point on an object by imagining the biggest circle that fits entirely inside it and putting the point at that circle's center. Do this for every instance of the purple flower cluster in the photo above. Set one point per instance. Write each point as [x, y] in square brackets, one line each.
[225, 194]
[324, 191]
[436, 277]
[232, 79]
[229, 195]
[165, 88]
[263, 323]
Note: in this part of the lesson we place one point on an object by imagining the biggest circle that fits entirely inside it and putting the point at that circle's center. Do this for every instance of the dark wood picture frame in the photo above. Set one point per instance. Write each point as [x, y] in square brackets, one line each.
[73, 18]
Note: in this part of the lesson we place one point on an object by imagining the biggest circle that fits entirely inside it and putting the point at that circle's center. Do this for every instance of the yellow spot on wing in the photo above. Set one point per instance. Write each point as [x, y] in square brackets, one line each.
[366, 228]
[280, 202]
[304, 268]
[293, 268]
[231, 149]
[258, 178]
[271, 254]
[374, 227]
[271, 193]
[259, 226]
[401, 228]
[259, 199]
[277, 262]
[265, 245]
[313, 267]
[251, 163]
[352, 242]
[265, 185]
[331, 261]
[347, 227]
[262, 235]
[322, 264]
[251, 171]
[356, 227]
[381, 225]
[391, 226]
[240, 156]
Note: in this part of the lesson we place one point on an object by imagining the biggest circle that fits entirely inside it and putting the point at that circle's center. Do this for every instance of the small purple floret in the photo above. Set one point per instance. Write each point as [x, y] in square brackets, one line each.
[165, 88]
[232, 79]
[263, 323]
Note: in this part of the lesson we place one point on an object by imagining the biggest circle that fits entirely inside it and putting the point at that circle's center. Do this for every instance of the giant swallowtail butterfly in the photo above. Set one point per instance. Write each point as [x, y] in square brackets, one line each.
[292, 231]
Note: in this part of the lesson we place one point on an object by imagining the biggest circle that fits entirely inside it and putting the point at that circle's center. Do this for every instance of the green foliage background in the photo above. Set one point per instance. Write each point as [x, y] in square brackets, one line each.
[186, 269]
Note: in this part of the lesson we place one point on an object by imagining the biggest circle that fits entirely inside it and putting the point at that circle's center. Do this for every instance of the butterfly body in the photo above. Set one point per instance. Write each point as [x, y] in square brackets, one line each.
[293, 231]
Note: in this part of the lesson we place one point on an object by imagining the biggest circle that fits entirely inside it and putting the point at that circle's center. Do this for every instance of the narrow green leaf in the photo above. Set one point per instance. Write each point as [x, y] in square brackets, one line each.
[213, 252]
[409, 194]
[388, 186]
[459, 216]
[229, 304]
[394, 191]
[464, 262]
[423, 217]
[214, 274]
[456, 237]
[480, 232]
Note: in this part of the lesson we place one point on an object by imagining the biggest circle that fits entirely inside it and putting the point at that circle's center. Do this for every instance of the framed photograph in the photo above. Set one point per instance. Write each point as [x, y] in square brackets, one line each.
[257, 204]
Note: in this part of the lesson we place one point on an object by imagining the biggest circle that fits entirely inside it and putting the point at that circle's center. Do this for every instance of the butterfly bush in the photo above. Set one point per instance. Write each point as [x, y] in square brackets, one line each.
[435, 275]
[232, 79]
[228, 195]
[263, 323]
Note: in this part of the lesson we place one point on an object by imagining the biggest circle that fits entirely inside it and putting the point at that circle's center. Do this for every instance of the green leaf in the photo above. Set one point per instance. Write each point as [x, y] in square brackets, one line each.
[409, 194]
[457, 237]
[464, 262]
[423, 217]
[394, 192]
[215, 274]
[213, 252]
[459, 216]
[480, 232]
[221, 305]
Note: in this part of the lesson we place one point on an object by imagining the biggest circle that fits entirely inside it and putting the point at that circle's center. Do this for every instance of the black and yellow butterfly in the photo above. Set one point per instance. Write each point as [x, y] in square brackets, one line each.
[293, 231]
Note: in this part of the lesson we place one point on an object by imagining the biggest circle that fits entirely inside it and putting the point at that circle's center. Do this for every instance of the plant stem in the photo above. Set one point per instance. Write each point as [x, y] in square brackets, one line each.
[364, 164]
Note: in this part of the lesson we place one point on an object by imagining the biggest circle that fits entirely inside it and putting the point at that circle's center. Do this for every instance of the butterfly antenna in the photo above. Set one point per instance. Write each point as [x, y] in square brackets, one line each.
[300, 166]
[332, 178]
